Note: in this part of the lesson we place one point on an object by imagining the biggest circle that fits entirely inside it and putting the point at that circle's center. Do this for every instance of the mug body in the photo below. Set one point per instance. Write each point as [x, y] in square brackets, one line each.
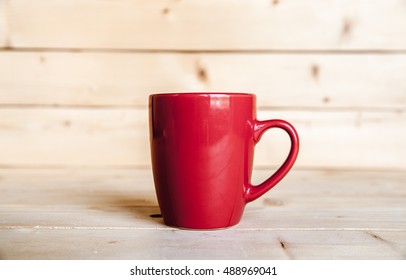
[202, 154]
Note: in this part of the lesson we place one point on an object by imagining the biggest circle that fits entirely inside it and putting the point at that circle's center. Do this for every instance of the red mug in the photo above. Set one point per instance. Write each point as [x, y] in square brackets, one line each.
[202, 150]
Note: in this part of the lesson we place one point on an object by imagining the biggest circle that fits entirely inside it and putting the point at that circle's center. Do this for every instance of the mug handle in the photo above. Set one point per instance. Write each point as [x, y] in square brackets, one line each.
[259, 127]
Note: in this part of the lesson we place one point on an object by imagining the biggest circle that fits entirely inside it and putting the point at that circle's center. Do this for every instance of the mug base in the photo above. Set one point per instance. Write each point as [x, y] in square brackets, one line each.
[202, 229]
[208, 228]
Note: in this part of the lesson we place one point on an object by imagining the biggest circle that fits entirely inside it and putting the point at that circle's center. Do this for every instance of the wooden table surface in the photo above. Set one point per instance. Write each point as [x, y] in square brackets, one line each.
[111, 214]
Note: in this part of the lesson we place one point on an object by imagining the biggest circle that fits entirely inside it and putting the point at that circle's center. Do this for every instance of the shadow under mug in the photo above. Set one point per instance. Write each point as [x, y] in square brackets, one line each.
[202, 150]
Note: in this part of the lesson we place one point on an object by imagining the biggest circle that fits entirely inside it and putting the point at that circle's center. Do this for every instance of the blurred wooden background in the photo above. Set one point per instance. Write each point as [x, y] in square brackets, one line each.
[75, 76]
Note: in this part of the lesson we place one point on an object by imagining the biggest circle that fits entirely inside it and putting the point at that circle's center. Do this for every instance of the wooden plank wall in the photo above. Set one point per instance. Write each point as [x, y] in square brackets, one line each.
[75, 76]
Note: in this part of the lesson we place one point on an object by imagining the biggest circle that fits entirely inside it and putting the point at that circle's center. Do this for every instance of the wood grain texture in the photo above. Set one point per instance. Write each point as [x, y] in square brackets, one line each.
[218, 25]
[368, 81]
[120, 137]
[133, 187]
[99, 244]
[106, 214]
[80, 137]
[3, 25]
[139, 217]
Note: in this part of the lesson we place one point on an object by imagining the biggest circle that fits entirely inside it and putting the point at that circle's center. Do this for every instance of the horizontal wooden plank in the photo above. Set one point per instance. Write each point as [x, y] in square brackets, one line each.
[184, 25]
[117, 188]
[120, 137]
[139, 217]
[3, 24]
[279, 80]
[337, 139]
[74, 137]
[227, 244]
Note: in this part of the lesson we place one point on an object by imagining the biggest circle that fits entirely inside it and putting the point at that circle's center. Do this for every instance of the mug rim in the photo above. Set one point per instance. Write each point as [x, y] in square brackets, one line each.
[202, 94]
